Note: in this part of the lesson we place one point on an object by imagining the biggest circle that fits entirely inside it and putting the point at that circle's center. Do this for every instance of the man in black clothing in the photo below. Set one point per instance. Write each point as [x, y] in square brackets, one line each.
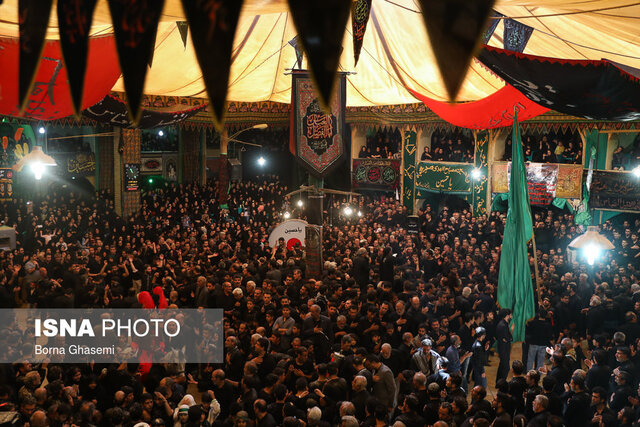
[360, 270]
[224, 392]
[263, 418]
[478, 401]
[409, 416]
[555, 403]
[559, 372]
[359, 396]
[318, 328]
[518, 385]
[540, 405]
[577, 411]
[599, 406]
[599, 373]
[504, 338]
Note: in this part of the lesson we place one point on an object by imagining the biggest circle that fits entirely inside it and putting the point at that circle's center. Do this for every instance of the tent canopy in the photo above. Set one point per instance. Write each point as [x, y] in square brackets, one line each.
[396, 53]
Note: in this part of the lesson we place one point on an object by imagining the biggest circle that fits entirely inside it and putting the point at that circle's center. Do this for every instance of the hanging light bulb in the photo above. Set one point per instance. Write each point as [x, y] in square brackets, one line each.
[38, 169]
[592, 244]
[348, 211]
[287, 215]
[300, 203]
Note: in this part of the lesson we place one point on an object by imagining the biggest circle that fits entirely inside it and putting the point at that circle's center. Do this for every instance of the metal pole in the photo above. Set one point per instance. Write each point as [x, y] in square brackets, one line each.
[535, 265]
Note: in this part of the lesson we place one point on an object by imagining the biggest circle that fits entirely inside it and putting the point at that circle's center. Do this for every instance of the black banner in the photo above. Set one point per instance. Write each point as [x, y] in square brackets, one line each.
[321, 25]
[213, 27]
[360, 11]
[135, 24]
[455, 29]
[74, 21]
[33, 22]
[614, 190]
[376, 174]
[113, 111]
[595, 90]
[75, 164]
[318, 136]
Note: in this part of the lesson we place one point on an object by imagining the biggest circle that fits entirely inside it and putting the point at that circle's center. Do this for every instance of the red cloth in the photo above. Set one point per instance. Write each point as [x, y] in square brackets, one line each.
[50, 98]
[162, 303]
[494, 111]
[145, 299]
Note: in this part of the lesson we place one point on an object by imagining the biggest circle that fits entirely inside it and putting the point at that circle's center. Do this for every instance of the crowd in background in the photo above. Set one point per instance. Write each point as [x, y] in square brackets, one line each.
[397, 330]
[549, 148]
[449, 147]
[627, 158]
[383, 143]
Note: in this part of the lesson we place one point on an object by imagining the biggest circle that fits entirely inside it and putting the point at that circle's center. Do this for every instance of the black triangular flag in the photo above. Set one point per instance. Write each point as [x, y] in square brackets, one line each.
[183, 28]
[135, 24]
[494, 20]
[321, 25]
[213, 27]
[295, 43]
[74, 21]
[516, 35]
[33, 22]
[455, 29]
[359, 17]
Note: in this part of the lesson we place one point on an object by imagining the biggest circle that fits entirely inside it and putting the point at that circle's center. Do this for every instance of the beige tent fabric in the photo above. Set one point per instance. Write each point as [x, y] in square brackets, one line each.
[396, 50]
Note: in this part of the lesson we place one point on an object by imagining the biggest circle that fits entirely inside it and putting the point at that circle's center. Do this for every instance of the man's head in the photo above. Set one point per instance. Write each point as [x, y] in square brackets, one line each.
[260, 408]
[540, 403]
[598, 396]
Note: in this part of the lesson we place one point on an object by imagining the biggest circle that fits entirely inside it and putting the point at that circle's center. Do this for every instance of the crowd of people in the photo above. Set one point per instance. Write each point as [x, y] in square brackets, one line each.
[549, 148]
[449, 147]
[397, 331]
[626, 158]
[383, 143]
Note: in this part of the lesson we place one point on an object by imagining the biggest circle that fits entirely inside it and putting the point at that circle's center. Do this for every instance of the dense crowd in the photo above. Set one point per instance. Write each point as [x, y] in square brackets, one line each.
[549, 148]
[397, 331]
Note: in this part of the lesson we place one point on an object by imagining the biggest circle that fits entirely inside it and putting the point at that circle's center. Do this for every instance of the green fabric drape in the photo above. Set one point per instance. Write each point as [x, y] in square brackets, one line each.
[515, 288]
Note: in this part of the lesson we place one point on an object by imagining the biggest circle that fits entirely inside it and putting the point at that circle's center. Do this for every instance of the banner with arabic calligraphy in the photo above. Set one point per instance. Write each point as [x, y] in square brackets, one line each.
[151, 164]
[318, 136]
[113, 111]
[360, 10]
[481, 162]
[409, 147]
[81, 164]
[76, 164]
[376, 174]
[546, 181]
[444, 177]
[614, 190]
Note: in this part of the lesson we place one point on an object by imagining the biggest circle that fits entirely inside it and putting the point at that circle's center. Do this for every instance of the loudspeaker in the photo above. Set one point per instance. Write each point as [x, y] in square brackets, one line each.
[235, 170]
[314, 209]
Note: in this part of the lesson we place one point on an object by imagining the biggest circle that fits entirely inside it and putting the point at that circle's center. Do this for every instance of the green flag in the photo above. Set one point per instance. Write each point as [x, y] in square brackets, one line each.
[515, 289]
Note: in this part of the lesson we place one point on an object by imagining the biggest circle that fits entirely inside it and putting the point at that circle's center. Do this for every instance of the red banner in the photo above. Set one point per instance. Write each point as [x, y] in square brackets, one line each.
[50, 97]
[494, 111]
